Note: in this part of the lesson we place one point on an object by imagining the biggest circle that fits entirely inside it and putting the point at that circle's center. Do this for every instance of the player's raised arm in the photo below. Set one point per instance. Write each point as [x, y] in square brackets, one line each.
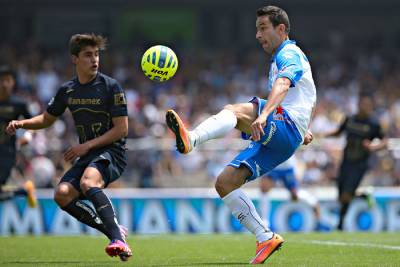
[277, 94]
[41, 121]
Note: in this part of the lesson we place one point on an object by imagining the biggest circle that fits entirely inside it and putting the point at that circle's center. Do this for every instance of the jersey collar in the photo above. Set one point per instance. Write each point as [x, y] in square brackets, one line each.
[286, 42]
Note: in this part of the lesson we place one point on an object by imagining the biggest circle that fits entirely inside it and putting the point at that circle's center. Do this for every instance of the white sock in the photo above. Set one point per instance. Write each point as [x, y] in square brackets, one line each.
[305, 196]
[243, 209]
[215, 126]
[264, 207]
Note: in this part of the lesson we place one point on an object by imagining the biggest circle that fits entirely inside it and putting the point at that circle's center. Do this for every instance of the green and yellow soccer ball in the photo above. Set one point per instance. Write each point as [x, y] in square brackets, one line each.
[159, 63]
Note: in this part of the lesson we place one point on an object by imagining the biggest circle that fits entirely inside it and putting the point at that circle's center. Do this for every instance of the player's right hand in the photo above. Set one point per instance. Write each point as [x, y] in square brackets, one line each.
[13, 126]
[257, 128]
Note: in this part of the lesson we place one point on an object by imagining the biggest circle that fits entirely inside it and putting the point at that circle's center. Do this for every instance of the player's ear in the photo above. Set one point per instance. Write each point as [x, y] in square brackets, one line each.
[282, 28]
[74, 59]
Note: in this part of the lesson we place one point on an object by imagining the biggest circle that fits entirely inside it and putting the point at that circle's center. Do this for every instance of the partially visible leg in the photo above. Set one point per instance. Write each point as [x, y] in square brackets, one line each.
[266, 184]
[344, 199]
[67, 198]
[349, 179]
[28, 190]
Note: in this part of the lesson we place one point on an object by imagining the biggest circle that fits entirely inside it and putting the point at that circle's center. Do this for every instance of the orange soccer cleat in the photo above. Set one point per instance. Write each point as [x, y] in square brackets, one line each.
[266, 248]
[178, 128]
[31, 196]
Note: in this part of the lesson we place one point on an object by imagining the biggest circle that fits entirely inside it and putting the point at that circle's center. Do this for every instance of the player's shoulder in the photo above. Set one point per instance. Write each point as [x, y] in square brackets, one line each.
[289, 51]
[374, 120]
[109, 81]
[67, 85]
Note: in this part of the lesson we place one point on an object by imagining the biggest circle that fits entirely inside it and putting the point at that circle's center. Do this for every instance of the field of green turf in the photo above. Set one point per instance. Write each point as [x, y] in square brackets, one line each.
[316, 249]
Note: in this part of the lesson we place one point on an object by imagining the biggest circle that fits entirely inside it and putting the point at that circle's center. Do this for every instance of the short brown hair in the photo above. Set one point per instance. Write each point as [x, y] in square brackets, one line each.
[276, 15]
[79, 41]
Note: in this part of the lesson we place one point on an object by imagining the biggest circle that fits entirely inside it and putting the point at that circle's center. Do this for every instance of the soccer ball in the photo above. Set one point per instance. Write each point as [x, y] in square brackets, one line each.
[159, 63]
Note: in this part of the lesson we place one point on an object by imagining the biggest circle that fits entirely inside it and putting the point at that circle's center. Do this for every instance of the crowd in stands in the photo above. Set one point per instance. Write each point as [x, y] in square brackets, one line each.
[207, 80]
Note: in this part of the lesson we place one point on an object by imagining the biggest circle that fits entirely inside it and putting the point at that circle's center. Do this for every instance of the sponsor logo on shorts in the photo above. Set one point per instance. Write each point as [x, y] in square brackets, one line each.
[272, 131]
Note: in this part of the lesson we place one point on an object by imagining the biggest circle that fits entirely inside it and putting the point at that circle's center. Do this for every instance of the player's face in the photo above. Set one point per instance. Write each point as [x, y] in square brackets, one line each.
[7, 84]
[270, 37]
[365, 106]
[87, 61]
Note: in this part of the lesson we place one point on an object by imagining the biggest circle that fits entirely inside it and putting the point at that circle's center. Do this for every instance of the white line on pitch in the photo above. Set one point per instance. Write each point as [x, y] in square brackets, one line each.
[353, 244]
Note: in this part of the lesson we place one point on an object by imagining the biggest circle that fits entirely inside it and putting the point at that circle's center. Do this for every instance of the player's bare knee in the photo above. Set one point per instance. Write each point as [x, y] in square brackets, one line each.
[235, 109]
[220, 186]
[230, 107]
[89, 182]
[224, 185]
[63, 194]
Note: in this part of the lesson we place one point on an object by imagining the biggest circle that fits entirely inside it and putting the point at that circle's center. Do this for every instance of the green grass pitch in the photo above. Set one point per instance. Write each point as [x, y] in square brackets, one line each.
[315, 249]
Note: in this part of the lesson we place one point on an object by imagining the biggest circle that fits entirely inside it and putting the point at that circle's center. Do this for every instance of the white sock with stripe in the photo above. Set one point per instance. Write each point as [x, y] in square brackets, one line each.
[243, 209]
[215, 126]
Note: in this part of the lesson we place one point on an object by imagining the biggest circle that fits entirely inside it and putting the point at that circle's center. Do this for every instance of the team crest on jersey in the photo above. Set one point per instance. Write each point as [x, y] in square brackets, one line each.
[119, 99]
[278, 114]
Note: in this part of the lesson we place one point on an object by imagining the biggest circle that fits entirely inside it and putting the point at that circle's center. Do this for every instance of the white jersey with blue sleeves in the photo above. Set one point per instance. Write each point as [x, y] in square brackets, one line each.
[289, 61]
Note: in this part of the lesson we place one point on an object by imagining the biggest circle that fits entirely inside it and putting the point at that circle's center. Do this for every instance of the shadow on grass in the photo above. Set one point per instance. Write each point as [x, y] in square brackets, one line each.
[203, 264]
[53, 262]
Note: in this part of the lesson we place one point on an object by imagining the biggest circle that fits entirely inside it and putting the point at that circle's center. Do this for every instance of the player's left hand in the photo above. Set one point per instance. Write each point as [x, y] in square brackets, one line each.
[257, 128]
[76, 151]
[308, 137]
[367, 144]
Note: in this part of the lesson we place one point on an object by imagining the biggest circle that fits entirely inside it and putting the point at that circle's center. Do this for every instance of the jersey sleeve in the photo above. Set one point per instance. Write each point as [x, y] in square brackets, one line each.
[289, 66]
[379, 133]
[58, 103]
[25, 112]
[118, 103]
[342, 126]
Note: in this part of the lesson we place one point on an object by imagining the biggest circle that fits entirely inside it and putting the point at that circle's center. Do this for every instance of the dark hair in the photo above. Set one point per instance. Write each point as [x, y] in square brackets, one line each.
[276, 15]
[7, 70]
[79, 41]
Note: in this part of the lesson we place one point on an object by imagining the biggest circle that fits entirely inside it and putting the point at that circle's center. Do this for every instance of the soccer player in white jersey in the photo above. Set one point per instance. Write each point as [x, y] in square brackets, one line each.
[277, 127]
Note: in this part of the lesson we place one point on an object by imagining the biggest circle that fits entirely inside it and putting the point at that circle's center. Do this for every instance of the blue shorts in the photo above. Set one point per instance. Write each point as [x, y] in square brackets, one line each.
[286, 176]
[280, 141]
[105, 163]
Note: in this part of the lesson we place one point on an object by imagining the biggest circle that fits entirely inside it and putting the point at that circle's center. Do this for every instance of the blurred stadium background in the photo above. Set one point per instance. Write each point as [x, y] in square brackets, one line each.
[353, 47]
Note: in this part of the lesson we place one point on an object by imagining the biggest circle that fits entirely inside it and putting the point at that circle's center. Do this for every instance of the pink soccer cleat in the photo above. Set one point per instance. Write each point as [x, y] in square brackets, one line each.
[120, 249]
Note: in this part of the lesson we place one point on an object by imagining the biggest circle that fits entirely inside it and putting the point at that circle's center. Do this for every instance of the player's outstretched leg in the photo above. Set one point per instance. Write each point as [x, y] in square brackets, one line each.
[214, 127]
